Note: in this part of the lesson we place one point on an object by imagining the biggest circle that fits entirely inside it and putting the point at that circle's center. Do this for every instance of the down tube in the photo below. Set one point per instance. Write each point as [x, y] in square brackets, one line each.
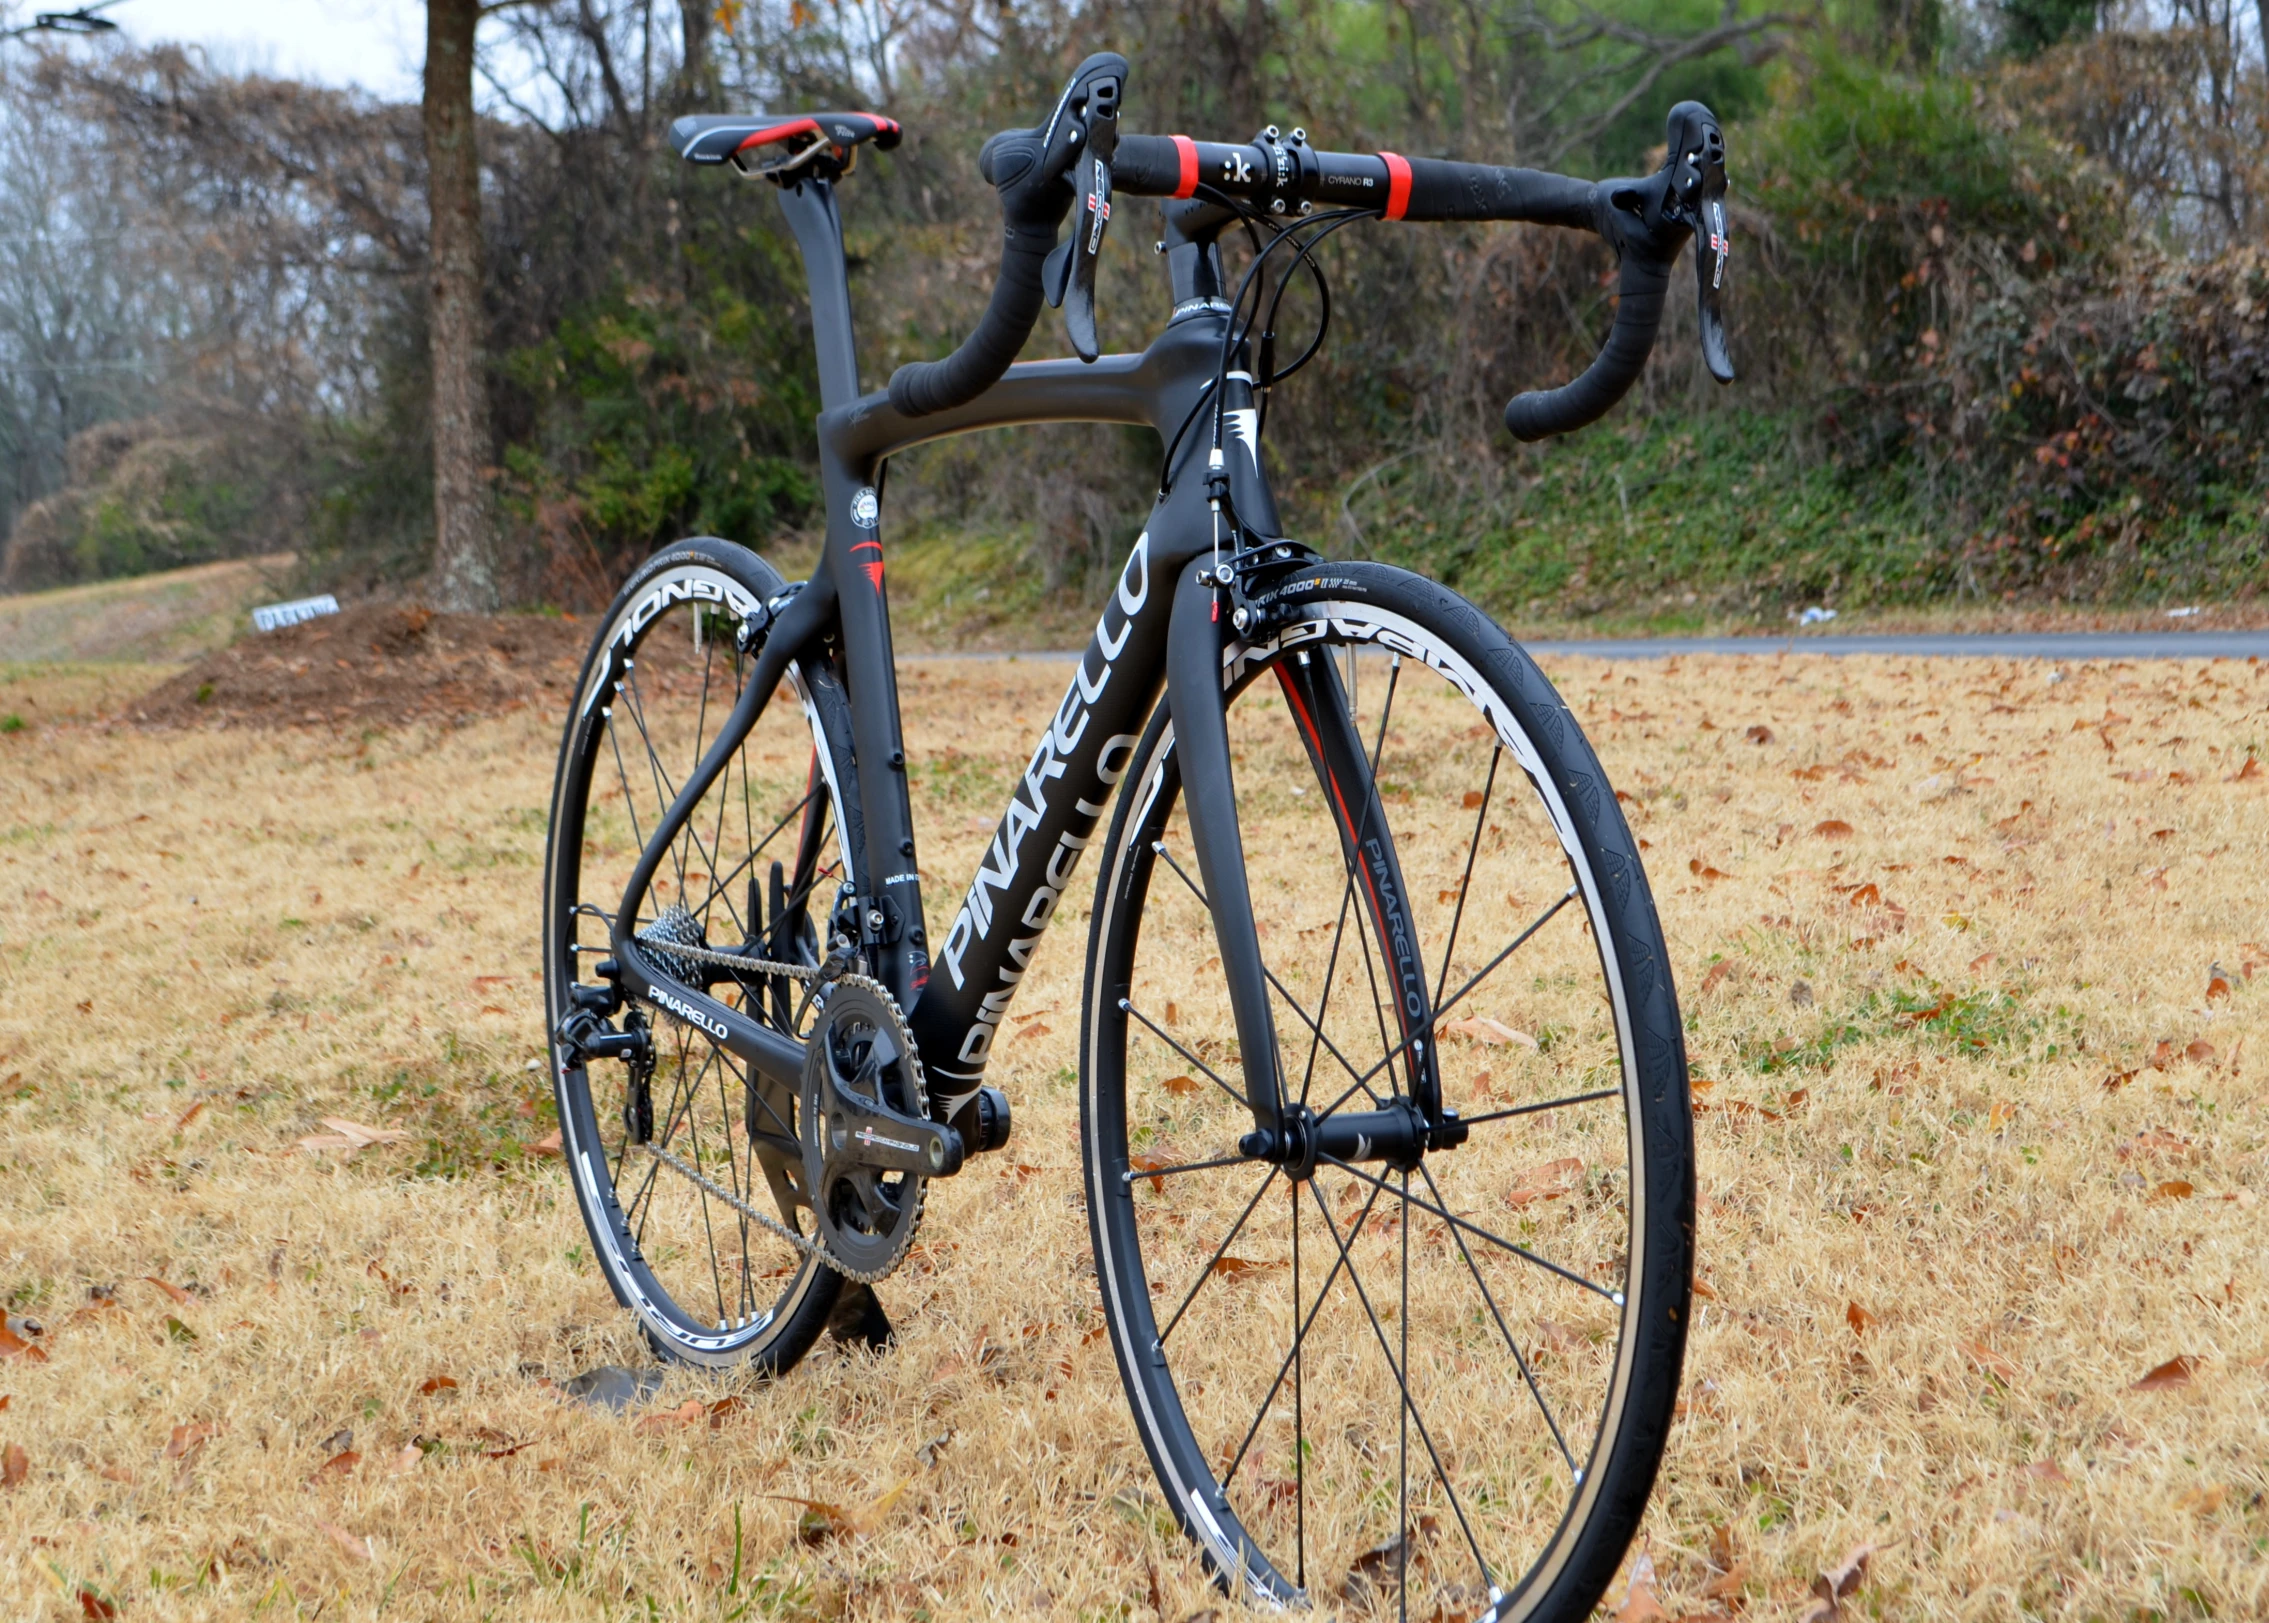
[1051, 816]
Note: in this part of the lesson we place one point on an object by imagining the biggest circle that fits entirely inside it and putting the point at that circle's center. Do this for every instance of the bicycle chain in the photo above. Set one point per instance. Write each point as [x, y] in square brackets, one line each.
[733, 960]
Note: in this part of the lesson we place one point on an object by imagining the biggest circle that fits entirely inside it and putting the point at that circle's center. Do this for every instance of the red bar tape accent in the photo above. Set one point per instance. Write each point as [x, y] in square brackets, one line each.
[1398, 184]
[1187, 149]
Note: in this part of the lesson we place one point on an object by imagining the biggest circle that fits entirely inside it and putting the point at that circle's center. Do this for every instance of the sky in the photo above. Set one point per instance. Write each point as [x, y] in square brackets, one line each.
[377, 44]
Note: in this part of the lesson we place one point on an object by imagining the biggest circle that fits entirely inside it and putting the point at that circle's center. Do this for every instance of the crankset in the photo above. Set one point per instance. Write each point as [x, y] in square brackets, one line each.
[868, 1151]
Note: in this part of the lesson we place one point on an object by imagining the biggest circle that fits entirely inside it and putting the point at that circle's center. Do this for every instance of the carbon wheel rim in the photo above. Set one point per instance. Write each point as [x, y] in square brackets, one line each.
[708, 1285]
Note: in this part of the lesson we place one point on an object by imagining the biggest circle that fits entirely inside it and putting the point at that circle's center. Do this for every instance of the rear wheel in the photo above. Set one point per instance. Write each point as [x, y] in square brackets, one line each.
[1439, 1382]
[757, 864]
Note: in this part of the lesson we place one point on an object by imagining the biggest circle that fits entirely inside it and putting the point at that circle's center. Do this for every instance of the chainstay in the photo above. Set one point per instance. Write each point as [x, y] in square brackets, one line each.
[771, 1225]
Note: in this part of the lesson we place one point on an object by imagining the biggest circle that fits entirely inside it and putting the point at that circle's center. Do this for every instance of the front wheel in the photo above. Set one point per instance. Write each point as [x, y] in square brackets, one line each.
[1425, 1382]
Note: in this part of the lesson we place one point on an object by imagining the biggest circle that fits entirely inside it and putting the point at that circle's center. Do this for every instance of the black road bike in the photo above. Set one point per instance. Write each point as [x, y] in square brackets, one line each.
[1384, 1114]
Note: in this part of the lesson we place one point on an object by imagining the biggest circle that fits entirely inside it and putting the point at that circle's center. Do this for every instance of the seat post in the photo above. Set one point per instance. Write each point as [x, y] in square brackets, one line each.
[810, 207]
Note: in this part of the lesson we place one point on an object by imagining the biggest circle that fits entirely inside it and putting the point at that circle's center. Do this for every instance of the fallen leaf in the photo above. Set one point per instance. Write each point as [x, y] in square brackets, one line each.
[351, 1136]
[1829, 1589]
[552, 1143]
[2217, 982]
[1988, 1360]
[15, 1346]
[2203, 1501]
[178, 1331]
[2158, 1141]
[2247, 773]
[685, 1414]
[1490, 1033]
[1640, 1603]
[180, 1297]
[1038, 1028]
[1383, 1562]
[436, 1383]
[2174, 1372]
[1728, 1584]
[2174, 1189]
[2200, 1052]
[1239, 1267]
[2047, 1471]
[1835, 828]
[1180, 1086]
[353, 1548]
[1718, 972]
[1860, 1320]
[189, 1437]
[823, 1520]
[1703, 870]
[190, 1115]
[1151, 1163]
[15, 1465]
[1547, 1182]
[1472, 799]
[405, 1460]
[1759, 734]
[340, 1464]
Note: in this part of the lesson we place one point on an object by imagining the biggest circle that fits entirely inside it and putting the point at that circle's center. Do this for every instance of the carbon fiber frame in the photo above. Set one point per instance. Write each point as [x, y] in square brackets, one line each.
[1161, 616]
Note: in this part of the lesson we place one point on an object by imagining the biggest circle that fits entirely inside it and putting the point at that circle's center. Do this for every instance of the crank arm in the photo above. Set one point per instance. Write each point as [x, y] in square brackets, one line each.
[868, 1133]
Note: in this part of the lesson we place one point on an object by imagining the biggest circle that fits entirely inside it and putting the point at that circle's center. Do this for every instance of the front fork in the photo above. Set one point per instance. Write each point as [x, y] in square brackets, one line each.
[1407, 1117]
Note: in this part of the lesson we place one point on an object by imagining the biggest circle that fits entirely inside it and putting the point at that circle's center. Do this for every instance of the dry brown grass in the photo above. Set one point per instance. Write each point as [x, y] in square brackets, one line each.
[1935, 1269]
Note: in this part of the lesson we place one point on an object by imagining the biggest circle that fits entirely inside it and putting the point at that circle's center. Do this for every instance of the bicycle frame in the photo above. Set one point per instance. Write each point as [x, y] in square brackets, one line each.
[1161, 628]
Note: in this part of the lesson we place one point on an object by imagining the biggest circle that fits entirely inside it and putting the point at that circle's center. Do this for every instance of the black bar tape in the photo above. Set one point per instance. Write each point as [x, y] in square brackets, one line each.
[921, 387]
[1441, 190]
[1544, 412]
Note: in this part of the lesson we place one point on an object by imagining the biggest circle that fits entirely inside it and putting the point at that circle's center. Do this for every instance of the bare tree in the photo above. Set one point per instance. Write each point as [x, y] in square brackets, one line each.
[464, 530]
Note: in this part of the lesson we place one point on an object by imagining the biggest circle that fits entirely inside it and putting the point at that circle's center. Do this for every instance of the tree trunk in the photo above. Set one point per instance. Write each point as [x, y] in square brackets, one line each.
[697, 78]
[464, 539]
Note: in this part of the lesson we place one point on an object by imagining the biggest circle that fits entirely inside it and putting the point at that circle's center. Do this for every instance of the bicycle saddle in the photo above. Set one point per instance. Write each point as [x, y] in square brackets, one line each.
[743, 138]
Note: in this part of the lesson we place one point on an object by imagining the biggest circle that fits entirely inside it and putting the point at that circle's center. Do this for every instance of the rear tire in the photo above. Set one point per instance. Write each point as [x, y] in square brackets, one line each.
[707, 1286]
[1508, 1476]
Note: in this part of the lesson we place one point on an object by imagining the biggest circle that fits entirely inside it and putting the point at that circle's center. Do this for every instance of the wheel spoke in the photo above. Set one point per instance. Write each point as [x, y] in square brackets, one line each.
[1511, 1346]
[1409, 1404]
[1426, 1027]
[1465, 879]
[1450, 1217]
[1219, 1252]
[1282, 990]
[1299, 1339]
[1548, 1104]
[1131, 1177]
[1160, 1032]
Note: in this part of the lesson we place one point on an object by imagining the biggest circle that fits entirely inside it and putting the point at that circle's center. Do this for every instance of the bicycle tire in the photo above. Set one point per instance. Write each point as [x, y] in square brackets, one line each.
[644, 1221]
[1135, 1198]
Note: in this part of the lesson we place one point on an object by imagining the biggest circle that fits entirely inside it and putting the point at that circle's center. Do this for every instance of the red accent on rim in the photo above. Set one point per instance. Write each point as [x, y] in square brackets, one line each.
[1398, 184]
[780, 132]
[1187, 150]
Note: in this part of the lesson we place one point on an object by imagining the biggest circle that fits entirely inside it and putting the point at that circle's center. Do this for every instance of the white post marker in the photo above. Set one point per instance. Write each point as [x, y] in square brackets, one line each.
[276, 616]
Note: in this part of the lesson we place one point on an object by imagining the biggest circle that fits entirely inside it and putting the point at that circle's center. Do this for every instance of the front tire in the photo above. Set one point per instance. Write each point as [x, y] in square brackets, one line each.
[1481, 1384]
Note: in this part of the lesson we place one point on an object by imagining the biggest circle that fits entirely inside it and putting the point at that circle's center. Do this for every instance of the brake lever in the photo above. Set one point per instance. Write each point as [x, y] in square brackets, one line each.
[1069, 274]
[1697, 182]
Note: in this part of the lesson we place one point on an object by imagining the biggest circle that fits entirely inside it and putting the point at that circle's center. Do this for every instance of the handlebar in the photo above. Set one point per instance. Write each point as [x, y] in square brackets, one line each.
[1079, 156]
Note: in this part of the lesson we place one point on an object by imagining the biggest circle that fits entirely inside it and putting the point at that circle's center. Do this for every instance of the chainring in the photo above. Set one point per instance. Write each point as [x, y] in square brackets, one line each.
[866, 1216]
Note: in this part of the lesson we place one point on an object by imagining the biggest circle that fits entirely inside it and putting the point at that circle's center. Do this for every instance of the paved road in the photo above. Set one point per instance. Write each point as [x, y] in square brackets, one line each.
[2066, 645]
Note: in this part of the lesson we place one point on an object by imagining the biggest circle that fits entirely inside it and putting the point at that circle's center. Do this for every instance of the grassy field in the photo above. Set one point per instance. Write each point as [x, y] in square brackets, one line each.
[1968, 951]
